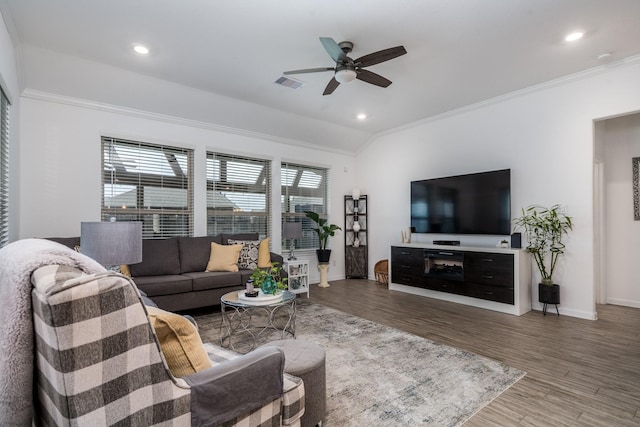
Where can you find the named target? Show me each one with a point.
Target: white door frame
(599, 234)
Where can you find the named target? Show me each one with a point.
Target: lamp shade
(292, 230)
(112, 243)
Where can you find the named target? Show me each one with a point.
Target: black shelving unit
(356, 251)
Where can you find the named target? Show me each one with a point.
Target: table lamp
(292, 230)
(112, 243)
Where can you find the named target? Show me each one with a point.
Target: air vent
(289, 82)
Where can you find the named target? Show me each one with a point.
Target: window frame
(4, 168)
(255, 216)
(292, 184)
(151, 178)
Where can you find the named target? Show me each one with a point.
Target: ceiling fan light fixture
(345, 75)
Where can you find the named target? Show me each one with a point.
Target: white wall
(544, 135)
(60, 169)
(621, 143)
(10, 85)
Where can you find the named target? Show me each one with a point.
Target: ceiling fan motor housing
(346, 47)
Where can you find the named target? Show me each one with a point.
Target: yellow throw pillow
(223, 257)
(264, 255)
(124, 270)
(180, 343)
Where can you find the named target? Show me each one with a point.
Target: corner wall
(544, 135)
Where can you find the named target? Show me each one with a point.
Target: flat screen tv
(477, 203)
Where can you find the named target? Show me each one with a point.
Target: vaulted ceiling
(460, 52)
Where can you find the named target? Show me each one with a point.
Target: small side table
(298, 271)
(323, 268)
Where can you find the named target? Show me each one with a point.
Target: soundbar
(447, 242)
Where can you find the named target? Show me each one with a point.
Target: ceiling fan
(347, 69)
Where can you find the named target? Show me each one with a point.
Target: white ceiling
(459, 51)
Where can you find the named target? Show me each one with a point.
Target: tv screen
(478, 203)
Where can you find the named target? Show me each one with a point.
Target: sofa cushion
(248, 258)
(159, 257)
(164, 285)
(180, 343)
(195, 251)
(224, 257)
(239, 236)
(264, 256)
(213, 280)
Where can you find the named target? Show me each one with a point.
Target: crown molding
(165, 118)
(632, 60)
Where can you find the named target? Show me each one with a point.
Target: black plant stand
(549, 294)
(544, 308)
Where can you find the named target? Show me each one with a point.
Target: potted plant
(269, 280)
(324, 231)
(544, 229)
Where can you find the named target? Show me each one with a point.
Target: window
(149, 183)
(4, 169)
(238, 195)
(304, 188)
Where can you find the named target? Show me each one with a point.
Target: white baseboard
(624, 302)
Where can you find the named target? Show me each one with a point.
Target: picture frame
(635, 168)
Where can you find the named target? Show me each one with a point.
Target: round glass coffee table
(246, 322)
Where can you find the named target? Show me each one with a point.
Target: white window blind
(304, 188)
(148, 183)
(238, 195)
(4, 169)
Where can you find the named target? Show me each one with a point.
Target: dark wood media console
(493, 278)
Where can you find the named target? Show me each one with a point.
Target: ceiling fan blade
(380, 56)
(309, 70)
(333, 49)
(333, 84)
(373, 78)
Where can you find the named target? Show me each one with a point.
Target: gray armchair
(98, 361)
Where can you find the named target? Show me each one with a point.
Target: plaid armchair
(98, 362)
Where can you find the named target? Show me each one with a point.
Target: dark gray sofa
(172, 271)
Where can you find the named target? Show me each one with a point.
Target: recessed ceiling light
(141, 49)
(361, 116)
(571, 37)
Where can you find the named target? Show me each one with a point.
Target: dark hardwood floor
(579, 372)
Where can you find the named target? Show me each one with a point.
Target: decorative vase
(269, 286)
(356, 226)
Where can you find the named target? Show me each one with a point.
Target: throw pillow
(179, 341)
(124, 270)
(248, 258)
(264, 255)
(223, 257)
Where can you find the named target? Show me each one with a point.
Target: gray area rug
(380, 376)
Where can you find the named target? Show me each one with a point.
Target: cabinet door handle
(487, 293)
(487, 276)
(446, 253)
(487, 260)
(405, 266)
(404, 253)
